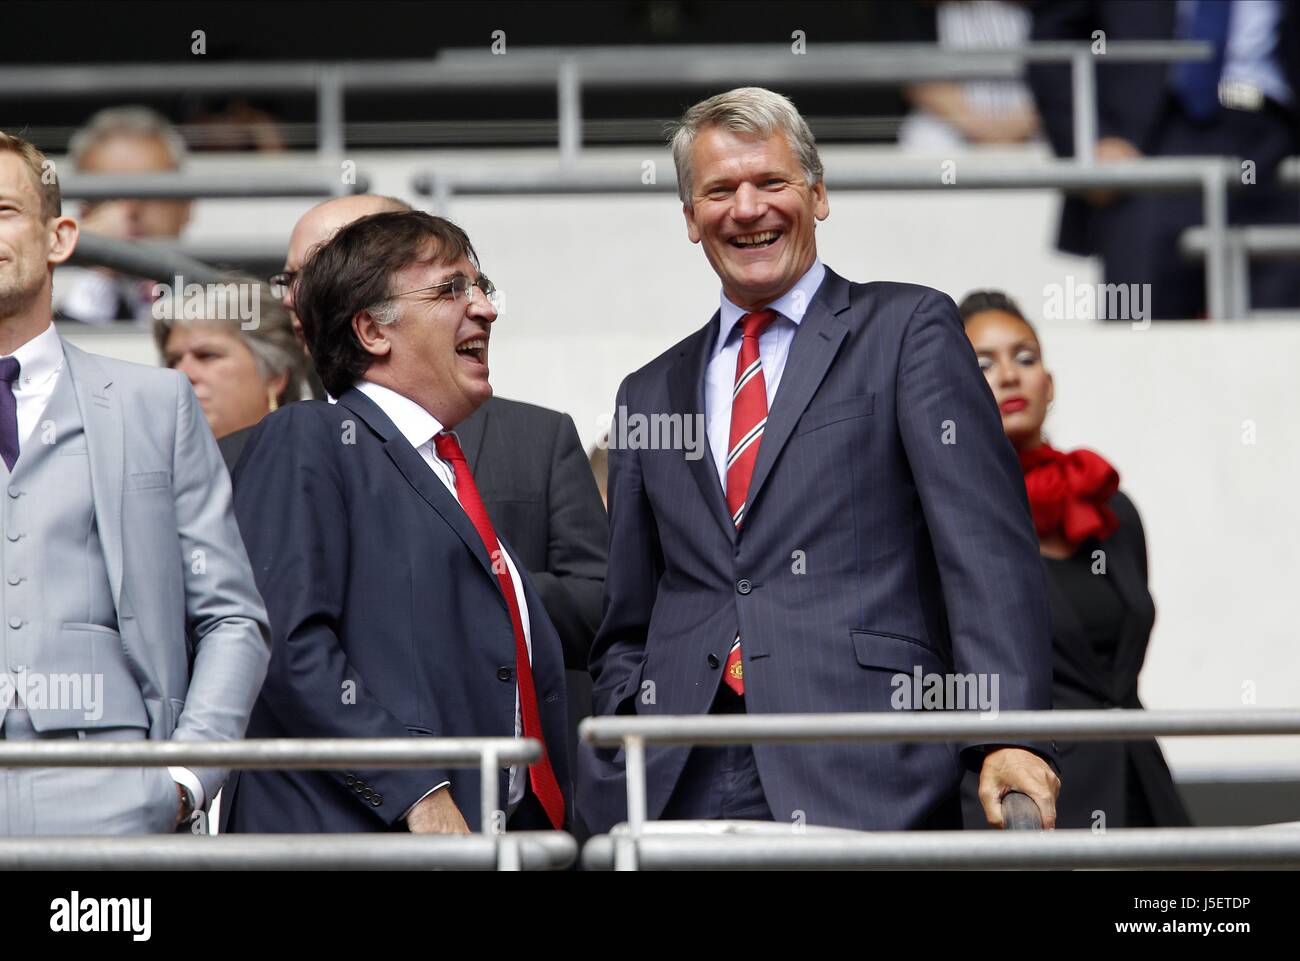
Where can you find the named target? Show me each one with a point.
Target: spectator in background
(239, 375)
(122, 140)
(949, 114)
(1094, 550)
(1245, 103)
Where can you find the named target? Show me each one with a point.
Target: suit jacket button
(743, 585)
(713, 661)
(504, 674)
(366, 792)
(377, 800)
(349, 780)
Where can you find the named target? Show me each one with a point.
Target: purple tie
(9, 368)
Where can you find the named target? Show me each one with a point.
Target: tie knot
(753, 324)
(447, 446)
(9, 368)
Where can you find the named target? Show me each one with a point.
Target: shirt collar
(39, 359)
(790, 305)
(415, 423)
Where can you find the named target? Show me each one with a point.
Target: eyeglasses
(462, 286)
(281, 282)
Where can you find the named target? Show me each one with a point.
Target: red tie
(748, 418)
(540, 774)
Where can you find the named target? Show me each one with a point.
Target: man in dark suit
(1243, 103)
(873, 526)
(396, 610)
(531, 471)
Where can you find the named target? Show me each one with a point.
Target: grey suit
(121, 564)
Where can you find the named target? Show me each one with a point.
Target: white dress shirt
(419, 427)
(40, 362)
(773, 349)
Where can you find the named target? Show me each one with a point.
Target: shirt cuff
(422, 797)
(184, 776)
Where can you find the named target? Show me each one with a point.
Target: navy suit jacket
(887, 529)
(386, 617)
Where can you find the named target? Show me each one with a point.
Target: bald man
(530, 469)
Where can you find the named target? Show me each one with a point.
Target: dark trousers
(1137, 235)
(719, 783)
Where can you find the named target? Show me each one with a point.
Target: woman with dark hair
(1094, 550)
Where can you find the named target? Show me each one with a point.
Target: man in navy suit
(873, 526)
(395, 609)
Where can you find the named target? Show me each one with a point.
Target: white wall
(597, 286)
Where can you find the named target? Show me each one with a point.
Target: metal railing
(1241, 245)
(571, 70)
(1212, 176)
(491, 848)
(655, 844)
(186, 185)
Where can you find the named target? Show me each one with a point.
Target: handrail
(522, 850)
(488, 754)
(628, 845)
(1120, 848)
(570, 69)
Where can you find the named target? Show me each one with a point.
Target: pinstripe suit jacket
(887, 531)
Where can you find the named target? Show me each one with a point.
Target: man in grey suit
(127, 606)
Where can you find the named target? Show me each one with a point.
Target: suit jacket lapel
(815, 345)
(102, 416)
(686, 395)
(417, 473)
(470, 433)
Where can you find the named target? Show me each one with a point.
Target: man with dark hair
(529, 466)
(395, 609)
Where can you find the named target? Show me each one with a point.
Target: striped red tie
(540, 773)
(748, 418)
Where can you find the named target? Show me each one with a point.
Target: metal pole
(329, 113)
(634, 762)
(570, 111)
(1083, 78)
(1215, 208)
(489, 791)
(1239, 274)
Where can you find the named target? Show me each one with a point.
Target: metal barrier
(1241, 245)
(1212, 176)
(642, 842)
(490, 848)
(570, 70)
(174, 185)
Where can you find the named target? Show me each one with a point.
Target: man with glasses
(530, 469)
(396, 609)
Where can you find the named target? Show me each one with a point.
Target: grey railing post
(625, 853)
(569, 93)
(1214, 191)
(329, 113)
(1083, 79)
(489, 791)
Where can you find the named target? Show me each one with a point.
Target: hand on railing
(1020, 813)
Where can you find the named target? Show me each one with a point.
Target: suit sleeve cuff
(185, 777)
(422, 797)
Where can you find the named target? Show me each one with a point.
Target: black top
(1084, 579)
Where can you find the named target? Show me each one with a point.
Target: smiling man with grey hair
(838, 536)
